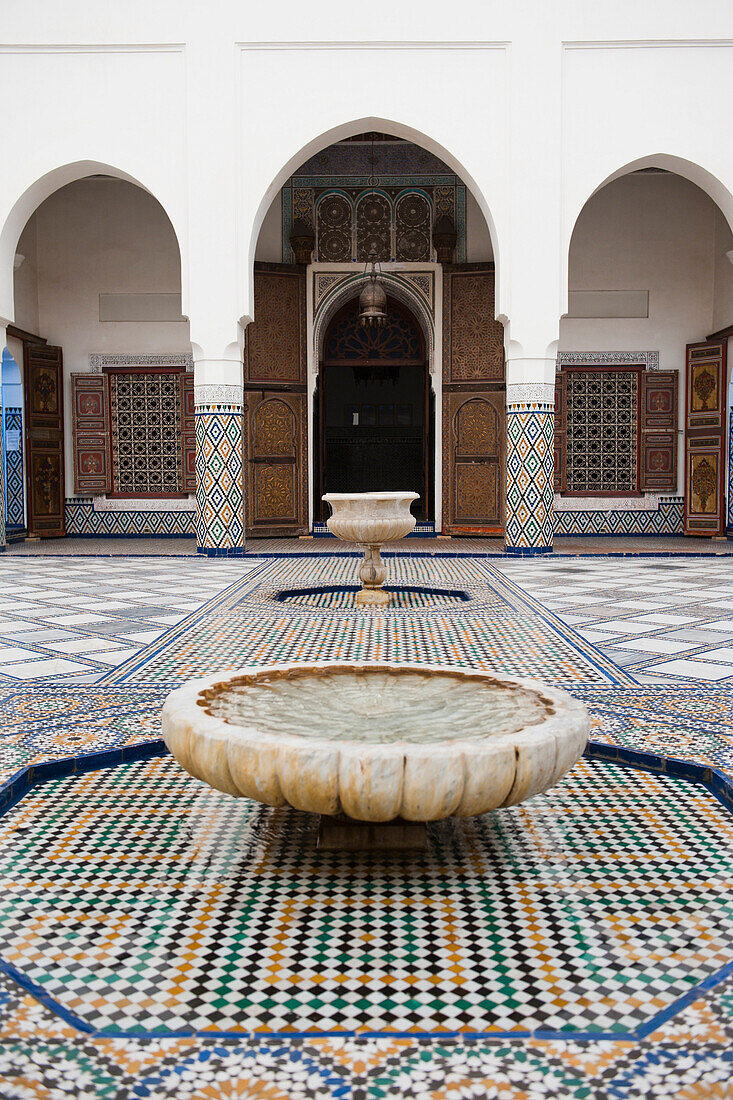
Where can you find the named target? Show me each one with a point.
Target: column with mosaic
(219, 470)
(529, 469)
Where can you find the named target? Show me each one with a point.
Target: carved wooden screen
(473, 404)
(561, 429)
(275, 417)
(188, 432)
(44, 417)
(90, 430)
(658, 462)
(705, 410)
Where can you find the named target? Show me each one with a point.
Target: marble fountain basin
(375, 742)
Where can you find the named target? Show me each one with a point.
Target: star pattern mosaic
(492, 630)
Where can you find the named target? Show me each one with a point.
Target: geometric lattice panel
(146, 433)
(602, 415)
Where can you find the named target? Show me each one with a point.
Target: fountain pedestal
(371, 519)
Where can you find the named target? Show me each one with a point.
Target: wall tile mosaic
(529, 476)
(14, 486)
(667, 520)
(219, 480)
(82, 521)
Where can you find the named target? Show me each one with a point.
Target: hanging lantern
(373, 301)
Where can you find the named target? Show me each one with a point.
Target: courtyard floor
(160, 939)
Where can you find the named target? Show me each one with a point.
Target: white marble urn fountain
(371, 519)
(375, 742)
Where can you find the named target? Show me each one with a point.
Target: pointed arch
(330, 137)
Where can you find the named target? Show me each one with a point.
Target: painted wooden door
(706, 403)
(474, 445)
(44, 416)
(275, 413)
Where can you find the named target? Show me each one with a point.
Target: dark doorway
(373, 408)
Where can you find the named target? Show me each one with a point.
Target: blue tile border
(527, 551)
(318, 590)
(714, 780)
(221, 551)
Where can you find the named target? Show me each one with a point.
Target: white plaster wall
(100, 236)
(645, 232)
(25, 279)
(211, 106)
(270, 241)
(478, 240)
(723, 275)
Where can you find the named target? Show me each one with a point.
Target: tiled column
(219, 471)
(2, 489)
(530, 432)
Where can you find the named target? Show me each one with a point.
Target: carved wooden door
(476, 442)
(275, 415)
(706, 406)
(474, 445)
(44, 416)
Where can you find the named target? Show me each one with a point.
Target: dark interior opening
(373, 408)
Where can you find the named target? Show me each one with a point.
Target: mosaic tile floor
(609, 898)
(663, 621)
(64, 619)
(141, 901)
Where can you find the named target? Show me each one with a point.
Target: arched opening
(650, 300)
(104, 348)
(373, 407)
(372, 193)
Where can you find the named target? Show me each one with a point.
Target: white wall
(270, 241)
(723, 290)
(211, 106)
(99, 236)
(25, 279)
(645, 232)
(653, 232)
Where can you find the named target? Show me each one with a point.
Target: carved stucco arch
(398, 287)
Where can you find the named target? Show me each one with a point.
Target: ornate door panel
(275, 438)
(474, 445)
(275, 418)
(706, 402)
(44, 416)
(473, 492)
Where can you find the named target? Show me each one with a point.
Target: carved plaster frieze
(648, 359)
(145, 504)
(97, 362)
(649, 502)
(225, 394)
(526, 393)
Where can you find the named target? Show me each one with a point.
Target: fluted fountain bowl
(371, 519)
(375, 741)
